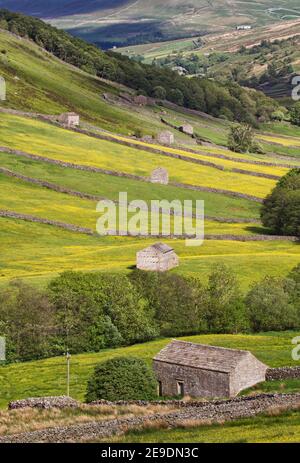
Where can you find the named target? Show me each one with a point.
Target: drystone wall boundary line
(35, 157)
(213, 412)
(109, 137)
(88, 231)
(34, 219)
(79, 194)
(277, 374)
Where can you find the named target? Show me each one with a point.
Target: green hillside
(37, 81)
(47, 377)
(52, 177)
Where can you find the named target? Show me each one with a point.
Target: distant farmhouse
(166, 138)
(69, 119)
(187, 128)
(244, 27)
(157, 258)
(180, 70)
(160, 175)
(196, 370)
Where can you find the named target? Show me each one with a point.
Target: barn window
(180, 388)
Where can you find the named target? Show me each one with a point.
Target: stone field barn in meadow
(187, 128)
(197, 370)
(69, 119)
(157, 258)
(166, 138)
(160, 175)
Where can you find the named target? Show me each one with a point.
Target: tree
(295, 114)
(225, 309)
(27, 321)
(281, 208)
(159, 92)
(122, 378)
(176, 96)
(270, 305)
(174, 302)
(97, 310)
(241, 138)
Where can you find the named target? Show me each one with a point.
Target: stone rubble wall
(44, 403)
(213, 412)
(275, 374)
(79, 194)
(54, 120)
(70, 165)
(88, 231)
(32, 218)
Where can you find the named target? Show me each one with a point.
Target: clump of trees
(87, 312)
(281, 208)
(241, 139)
(122, 378)
(205, 95)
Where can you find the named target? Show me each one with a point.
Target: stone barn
(197, 370)
(140, 100)
(157, 258)
(166, 138)
(160, 175)
(187, 128)
(69, 119)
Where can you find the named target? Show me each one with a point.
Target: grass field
(22, 197)
(47, 377)
(281, 428)
(40, 252)
(108, 186)
(56, 143)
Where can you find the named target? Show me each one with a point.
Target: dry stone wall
(275, 374)
(213, 412)
(70, 165)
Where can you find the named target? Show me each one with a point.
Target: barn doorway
(180, 388)
(160, 392)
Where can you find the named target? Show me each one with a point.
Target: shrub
(122, 378)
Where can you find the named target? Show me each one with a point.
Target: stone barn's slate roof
(201, 356)
(161, 248)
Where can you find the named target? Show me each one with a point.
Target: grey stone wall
(34, 219)
(213, 412)
(197, 383)
(275, 374)
(70, 165)
(44, 403)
